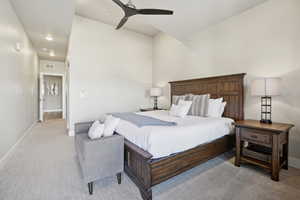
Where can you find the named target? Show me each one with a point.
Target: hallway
(44, 167)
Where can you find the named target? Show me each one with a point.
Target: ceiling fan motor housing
(130, 10)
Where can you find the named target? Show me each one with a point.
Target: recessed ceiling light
(49, 37)
(52, 53)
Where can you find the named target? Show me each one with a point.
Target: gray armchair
(98, 158)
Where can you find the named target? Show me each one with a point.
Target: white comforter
(161, 141)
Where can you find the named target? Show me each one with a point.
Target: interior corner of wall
(70, 128)
(294, 162)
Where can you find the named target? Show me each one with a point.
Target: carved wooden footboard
(145, 172)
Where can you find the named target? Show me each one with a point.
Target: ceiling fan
(130, 10)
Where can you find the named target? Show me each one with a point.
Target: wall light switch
(82, 94)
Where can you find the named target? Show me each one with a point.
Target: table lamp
(266, 88)
(155, 93)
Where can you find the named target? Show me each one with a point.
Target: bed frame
(146, 172)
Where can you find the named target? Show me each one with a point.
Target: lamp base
(265, 121)
(266, 110)
(155, 104)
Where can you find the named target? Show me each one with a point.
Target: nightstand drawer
(256, 136)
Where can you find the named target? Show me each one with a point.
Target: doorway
(52, 97)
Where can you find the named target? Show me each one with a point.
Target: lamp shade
(155, 92)
(266, 87)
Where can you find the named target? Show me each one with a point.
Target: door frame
(41, 99)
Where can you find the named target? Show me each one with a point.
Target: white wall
(263, 41)
(112, 69)
(58, 67)
(18, 80)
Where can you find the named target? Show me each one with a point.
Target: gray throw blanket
(141, 120)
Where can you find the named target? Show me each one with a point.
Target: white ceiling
(108, 12)
(189, 15)
(42, 17)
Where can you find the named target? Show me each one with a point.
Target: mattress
(161, 141)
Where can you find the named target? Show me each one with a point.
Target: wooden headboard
(230, 87)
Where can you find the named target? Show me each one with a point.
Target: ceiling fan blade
(122, 5)
(154, 12)
(122, 22)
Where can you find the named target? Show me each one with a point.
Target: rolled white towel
(96, 130)
(110, 125)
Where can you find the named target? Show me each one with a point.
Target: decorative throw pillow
(181, 109)
(222, 108)
(175, 99)
(110, 125)
(96, 130)
(189, 97)
(200, 105)
(214, 107)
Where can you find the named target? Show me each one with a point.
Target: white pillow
(214, 107)
(222, 108)
(174, 110)
(110, 125)
(181, 109)
(96, 130)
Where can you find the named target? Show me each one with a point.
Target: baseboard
(294, 162)
(71, 132)
(54, 110)
(5, 158)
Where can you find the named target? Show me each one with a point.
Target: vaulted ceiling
(189, 15)
(108, 12)
(54, 17)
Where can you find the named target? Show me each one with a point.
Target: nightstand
(149, 109)
(265, 145)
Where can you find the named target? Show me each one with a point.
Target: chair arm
(82, 127)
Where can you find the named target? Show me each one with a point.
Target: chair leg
(91, 185)
(119, 177)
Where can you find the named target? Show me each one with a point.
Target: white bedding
(162, 141)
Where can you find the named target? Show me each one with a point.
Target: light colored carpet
(44, 167)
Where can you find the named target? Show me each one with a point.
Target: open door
(41, 98)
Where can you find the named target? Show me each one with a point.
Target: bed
(148, 169)
(163, 141)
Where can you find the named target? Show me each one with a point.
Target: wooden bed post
(137, 167)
